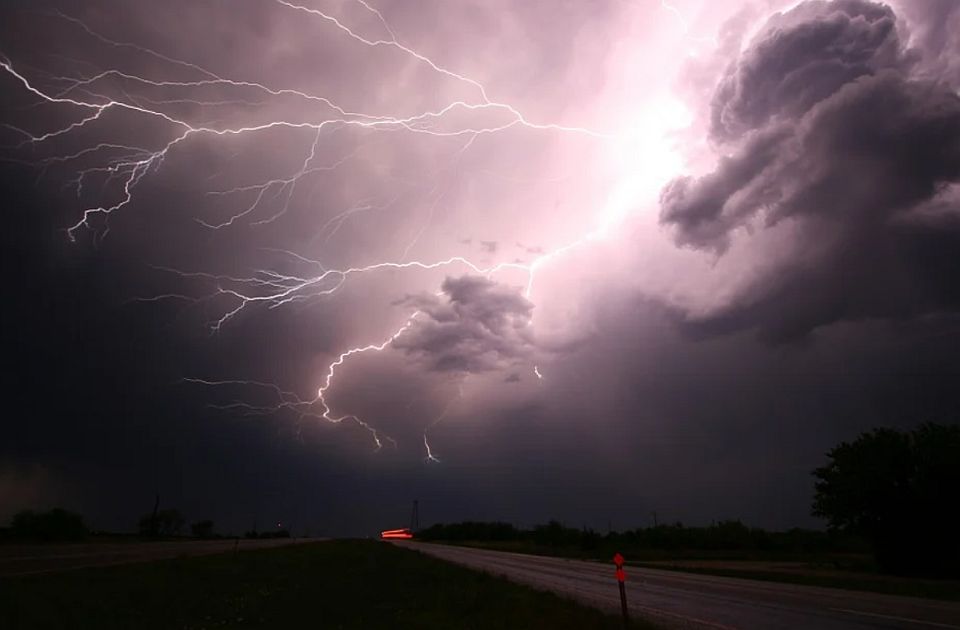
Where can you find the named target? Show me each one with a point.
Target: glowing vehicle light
(396, 534)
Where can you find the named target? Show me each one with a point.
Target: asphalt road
(688, 600)
(17, 560)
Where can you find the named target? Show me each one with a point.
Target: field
(336, 584)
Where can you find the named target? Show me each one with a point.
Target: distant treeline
(889, 492)
(53, 525)
(732, 536)
(59, 525)
(275, 533)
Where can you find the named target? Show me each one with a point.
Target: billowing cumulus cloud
(474, 325)
(828, 128)
(800, 58)
(935, 35)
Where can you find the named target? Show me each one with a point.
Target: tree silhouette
(161, 523)
(202, 529)
(898, 490)
(56, 524)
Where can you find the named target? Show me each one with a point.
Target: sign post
(621, 576)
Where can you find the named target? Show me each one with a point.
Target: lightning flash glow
(643, 158)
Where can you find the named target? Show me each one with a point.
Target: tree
(202, 529)
(56, 524)
(898, 490)
(161, 523)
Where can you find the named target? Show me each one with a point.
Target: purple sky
(520, 260)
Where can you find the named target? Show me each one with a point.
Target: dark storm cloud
(800, 58)
(829, 129)
(475, 325)
(693, 205)
(935, 34)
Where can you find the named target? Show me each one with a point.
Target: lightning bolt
(682, 19)
(123, 166)
(430, 457)
(685, 22)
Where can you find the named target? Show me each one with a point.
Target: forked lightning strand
(126, 165)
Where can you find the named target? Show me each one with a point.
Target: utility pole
(154, 525)
(415, 517)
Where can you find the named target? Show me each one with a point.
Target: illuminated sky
(520, 260)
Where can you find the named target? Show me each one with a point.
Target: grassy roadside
(811, 573)
(337, 584)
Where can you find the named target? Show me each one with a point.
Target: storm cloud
(475, 325)
(256, 264)
(827, 127)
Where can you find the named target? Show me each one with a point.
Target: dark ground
(335, 584)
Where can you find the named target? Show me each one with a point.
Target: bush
(55, 525)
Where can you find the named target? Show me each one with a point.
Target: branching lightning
(125, 166)
(430, 457)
